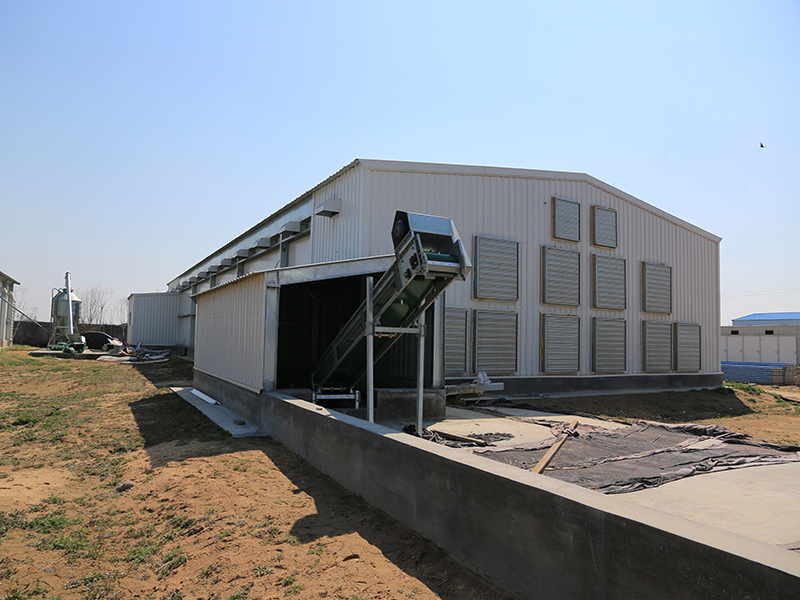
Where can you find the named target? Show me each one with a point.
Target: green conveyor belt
(397, 314)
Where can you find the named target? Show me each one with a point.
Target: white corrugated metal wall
(230, 332)
(154, 319)
(520, 208)
(339, 237)
(6, 312)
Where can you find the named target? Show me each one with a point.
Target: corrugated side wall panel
(6, 314)
(520, 208)
(609, 354)
(687, 347)
(299, 252)
(339, 237)
(609, 282)
(496, 268)
(657, 348)
(561, 273)
(154, 319)
(560, 343)
(455, 346)
(495, 342)
(230, 332)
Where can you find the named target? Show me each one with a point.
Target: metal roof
(420, 167)
(777, 319)
(776, 316)
(8, 278)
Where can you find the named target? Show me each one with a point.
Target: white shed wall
(230, 332)
(339, 237)
(6, 311)
(153, 319)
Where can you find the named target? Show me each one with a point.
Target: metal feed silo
(64, 315)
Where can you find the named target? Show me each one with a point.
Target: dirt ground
(773, 415)
(207, 516)
(113, 487)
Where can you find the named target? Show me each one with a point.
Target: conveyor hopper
(429, 256)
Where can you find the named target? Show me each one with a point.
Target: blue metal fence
(747, 372)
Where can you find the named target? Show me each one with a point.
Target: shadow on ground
(669, 407)
(165, 418)
(176, 372)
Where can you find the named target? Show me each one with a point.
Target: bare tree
(120, 311)
(96, 302)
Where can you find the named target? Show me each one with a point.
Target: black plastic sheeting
(644, 455)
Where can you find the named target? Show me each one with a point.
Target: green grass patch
(262, 570)
(242, 594)
(142, 553)
(169, 562)
(48, 523)
(295, 589)
(744, 387)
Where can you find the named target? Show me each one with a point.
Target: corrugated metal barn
(576, 285)
(6, 308)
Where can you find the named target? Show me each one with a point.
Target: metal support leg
(369, 332)
(420, 372)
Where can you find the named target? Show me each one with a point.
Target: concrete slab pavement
(460, 421)
(759, 502)
(234, 424)
(466, 422)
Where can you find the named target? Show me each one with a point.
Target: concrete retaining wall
(542, 538)
(557, 384)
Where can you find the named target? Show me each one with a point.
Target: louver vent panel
(496, 268)
(656, 288)
(560, 276)
(566, 220)
(609, 352)
(495, 342)
(609, 282)
(657, 346)
(604, 227)
(455, 341)
(560, 343)
(687, 347)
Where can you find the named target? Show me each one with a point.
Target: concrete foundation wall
(542, 538)
(602, 383)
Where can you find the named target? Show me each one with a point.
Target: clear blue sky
(138, 137)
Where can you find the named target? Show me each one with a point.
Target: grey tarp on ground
(645, 455)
